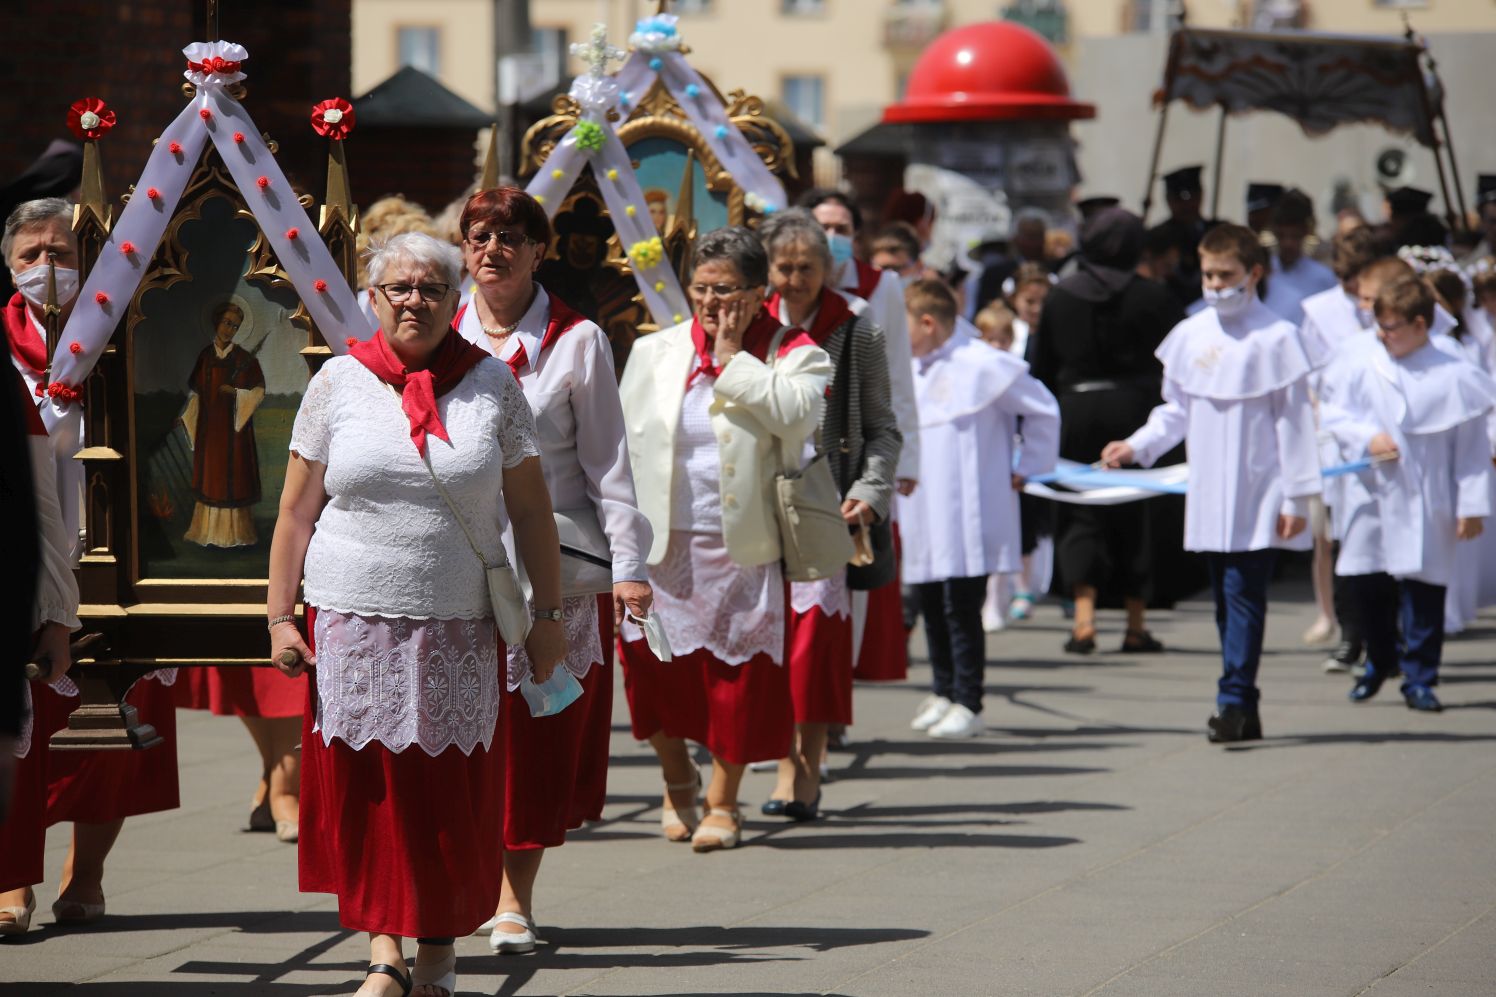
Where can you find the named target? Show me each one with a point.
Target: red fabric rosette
(90, 118)
(333, 119)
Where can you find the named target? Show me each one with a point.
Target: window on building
(1414, 4)
(1162, 16)
(797, 8)
(420, 47)
(805, 96)
(1273, 15)
(692, 6)
(1047, 17)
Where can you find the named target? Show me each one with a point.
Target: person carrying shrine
(1186, 226)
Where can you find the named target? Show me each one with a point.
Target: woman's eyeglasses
(429, 293)
(507, 238)
(720, 290)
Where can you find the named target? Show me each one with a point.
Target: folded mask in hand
(555, 694)
(654, 634)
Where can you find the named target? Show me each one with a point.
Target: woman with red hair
(556, 767)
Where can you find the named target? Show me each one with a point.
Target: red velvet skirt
(409, 844)
(556, 768)
(884, 655)
(742, 713)
(240, 692)
(820, 667)
(96, 787)
(23, 835)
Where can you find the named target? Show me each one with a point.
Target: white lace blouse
(386, 544)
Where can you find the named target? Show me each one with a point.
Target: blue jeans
(1403, 623)
(953, 631)
(1239, 580)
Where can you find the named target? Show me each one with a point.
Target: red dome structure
(991, 71)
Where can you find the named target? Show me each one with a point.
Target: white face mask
(1366, 317)
(32, 283)
(1229, 300)
(841, 248)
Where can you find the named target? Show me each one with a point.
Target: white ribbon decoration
(117, 275)
(1102, 486)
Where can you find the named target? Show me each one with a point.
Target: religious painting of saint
(672, 172)
(226, 386)
(578, 270)
(217, 375)
(659, 208)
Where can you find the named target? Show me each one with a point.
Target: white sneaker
(958, 722)
(993, 622)
(930, 712)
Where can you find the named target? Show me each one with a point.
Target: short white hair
(29, 214)
(434, 256)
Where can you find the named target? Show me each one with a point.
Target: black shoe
(1080, 645)
(1368, 685)
(1233, 724)
(1345, 657)
(406, 984)
(773, 808)
(802, 812)
(1140, 642)
(1422, 698)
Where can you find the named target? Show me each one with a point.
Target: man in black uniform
(1185, 227)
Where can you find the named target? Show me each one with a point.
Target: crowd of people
(478, 484)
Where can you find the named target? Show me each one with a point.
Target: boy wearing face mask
(1236, 391)
(1418, 411)
(37, 233)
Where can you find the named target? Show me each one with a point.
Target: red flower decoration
(319, 285)
(101, 298)
(352, 342)
(292, 233)
(205, 114)
(333, 119)
(41, 389)
(175, 148)
(152, 193)
(262, 182)
(238, 136)
(65, 392)
(90, 118)
(75, 348)
(128, 248)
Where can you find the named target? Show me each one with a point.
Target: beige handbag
(812, 534)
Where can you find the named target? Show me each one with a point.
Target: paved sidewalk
(1091, 843)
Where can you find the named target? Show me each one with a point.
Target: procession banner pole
(1215, 185)
(1163, 121)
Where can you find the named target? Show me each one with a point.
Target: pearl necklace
(502, 332)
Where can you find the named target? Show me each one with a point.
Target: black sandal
(1081, 645)
(1140, 642)
(401, 978)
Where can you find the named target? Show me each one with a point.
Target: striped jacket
(871, 438)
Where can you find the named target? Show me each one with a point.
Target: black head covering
(1111, 243)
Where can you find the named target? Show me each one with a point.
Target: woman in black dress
(1094, 351)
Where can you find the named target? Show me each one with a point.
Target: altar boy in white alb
(1236, 390)
(961, 524)
(1419, 412)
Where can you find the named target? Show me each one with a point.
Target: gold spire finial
(490, 178)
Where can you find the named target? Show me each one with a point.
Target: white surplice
(1236, 392)
(885, 309)
(1401, 518)
(962, 520)
(573, 392)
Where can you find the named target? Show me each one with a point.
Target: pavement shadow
(692, 947)
(963, 772)
(906, 839)
(250, 922)
(1371, 737)
(992, 744)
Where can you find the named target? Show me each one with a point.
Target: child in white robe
(961, 524)
(1236, 390)
(1419, 411)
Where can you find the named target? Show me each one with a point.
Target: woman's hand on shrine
(288, 651)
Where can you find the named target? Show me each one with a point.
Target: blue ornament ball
(721, 131)
(656, 63)
(692, 90)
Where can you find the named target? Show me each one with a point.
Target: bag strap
(447, 498)
(844, 370)
(773, 358)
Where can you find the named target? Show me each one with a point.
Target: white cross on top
(598, 53)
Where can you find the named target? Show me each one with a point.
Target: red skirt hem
(240, 692)
(23, 835)
(742, 713)
(884, 654)
(820, 667)
(96, 787)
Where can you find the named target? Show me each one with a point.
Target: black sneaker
(1345, 657)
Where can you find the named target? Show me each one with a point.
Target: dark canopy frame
(1322, 81)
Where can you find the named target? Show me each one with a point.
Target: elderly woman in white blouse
(712, 404)
(402, 785)
(556, 767)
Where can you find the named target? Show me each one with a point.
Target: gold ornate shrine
(687, 188)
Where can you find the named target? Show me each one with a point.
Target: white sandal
(22, 915)
(512, 943)
(686, 819)
(709, 838)
(441, 975)
(76, 912)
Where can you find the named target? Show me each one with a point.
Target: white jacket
(755, 406)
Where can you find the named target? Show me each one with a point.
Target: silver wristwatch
(546, 614)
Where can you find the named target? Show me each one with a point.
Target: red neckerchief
(830, 314)
(419, 389)
(867, 280)
(25, 345)
(34, 424)
(563, 319)
(756, 340)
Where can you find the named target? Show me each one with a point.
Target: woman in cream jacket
(715, 406)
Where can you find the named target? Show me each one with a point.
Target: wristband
(277, 620)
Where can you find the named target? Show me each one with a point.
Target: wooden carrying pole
(1215, 184)
(1163, 121)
